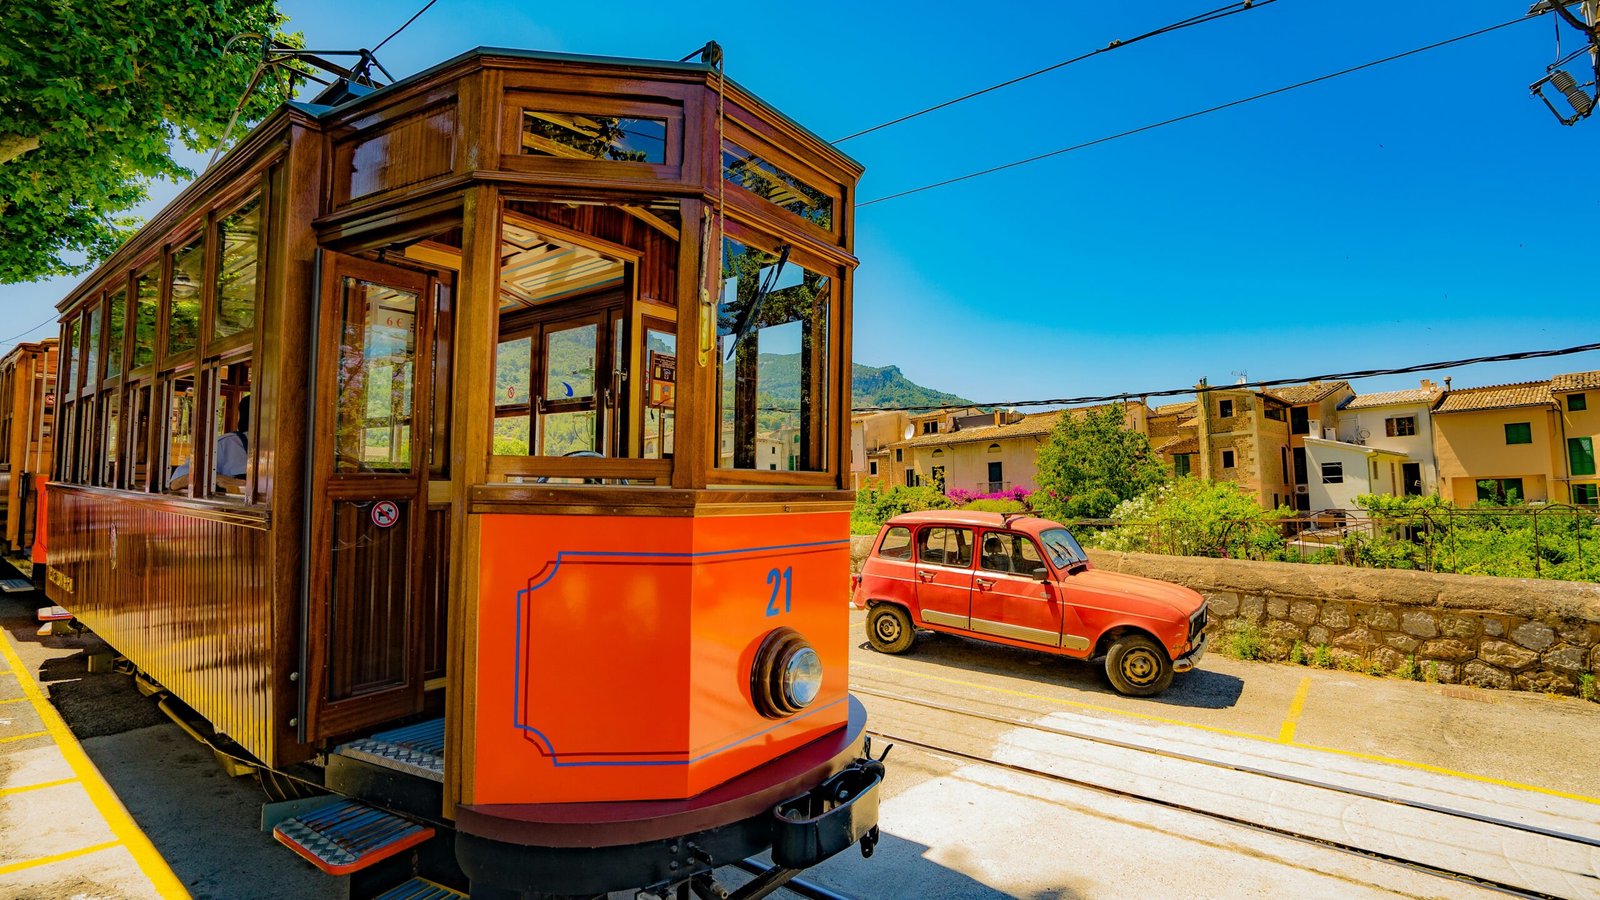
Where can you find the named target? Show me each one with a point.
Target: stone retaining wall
(1513, 633)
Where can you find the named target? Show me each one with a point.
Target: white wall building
(1339, 471)
(1398, 421)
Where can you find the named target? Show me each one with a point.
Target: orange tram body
(27, 407)
(472, 449)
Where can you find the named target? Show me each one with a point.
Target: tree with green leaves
(1091, 462)
(93, 97)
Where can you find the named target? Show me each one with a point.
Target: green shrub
(1586, 686)
(1243, 641)
(997, 506)
(1430, 674)
(1323, 659)
(1408, 670)
(1297, 654)
(874, 506)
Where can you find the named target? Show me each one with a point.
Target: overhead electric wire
(17, 337)
(414, 17)
(1245, 385)
(1215, 14)
(1194, 115)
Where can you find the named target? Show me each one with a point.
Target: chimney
(1427, 384)
(1447, 382)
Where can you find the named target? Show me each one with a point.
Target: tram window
(773, 332)
(377, 370)
(139, 437)
(568, 418)
(87, 427)
(147, 303)
(180, 434)
(513, 381)
(660, 396)
(183, 318)
(111, 406)
(117, 311)
(69, 356)
(236, 275)
(580, 136)
(91, 343)
(758, 176)
(230, 430)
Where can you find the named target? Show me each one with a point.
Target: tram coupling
(841, 811)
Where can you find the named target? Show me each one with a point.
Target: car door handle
(925, 576)
(983, 583)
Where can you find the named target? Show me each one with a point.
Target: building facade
(1497, 444)
(1577, 399)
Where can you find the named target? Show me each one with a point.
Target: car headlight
(786, 675)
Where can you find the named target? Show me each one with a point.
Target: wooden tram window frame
(206, 386)
(739, 133)
(668, 104)
(259, 189)
(767, 239)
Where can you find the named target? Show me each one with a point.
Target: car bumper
(1191, 659)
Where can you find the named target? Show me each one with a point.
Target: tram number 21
(780, 579)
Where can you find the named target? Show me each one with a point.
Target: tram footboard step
(421, 889)
(347, 836)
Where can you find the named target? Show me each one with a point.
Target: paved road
(952, 827)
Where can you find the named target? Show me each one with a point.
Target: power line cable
(1215, 14)
(414, 17)
(1265, 383)
(1194, 115)
(17, 337)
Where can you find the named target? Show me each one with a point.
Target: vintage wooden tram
(475, 448)
(27, 407)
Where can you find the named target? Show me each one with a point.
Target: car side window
(1011, 553)
(945, 547)
(896, 543)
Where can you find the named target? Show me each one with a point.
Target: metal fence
(1537, 541)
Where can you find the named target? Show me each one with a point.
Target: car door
(1009, 599)
(944, 575)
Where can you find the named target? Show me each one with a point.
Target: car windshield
(1063, 548)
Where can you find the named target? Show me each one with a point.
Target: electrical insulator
(1581, 102)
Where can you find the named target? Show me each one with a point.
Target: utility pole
(1581, 97)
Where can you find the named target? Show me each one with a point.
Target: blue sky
(1427, 209)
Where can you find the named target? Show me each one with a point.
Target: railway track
(1483, 849)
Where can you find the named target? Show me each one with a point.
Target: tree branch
(14, 145)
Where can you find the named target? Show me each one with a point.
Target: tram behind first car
(473, 449)
(27, 405)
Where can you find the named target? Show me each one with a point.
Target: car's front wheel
(1138, 666)
(889, 629)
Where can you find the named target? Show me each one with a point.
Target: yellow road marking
(55, 857)
(23, 737)
(6, 792)
(14, 700)
(1426, 767)
(1296, 707)
(111, 809)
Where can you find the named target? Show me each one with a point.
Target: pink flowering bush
(962, 497)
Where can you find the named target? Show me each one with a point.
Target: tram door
(375, 586)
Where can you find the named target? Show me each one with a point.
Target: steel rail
(1248, 770)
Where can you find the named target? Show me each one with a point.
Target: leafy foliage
(1553, 542)
(874, 505)
(1191, 517)
(93, 95)
(1092, 462)
(996, 506)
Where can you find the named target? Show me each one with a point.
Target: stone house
(1577, 398)
(1314, 412)
(1399, 421)
(1498, 443)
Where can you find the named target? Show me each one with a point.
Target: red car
(1025, 582)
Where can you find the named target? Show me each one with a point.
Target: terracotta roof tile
(1181, 444)
(1576, 381)
(1496, 396)
(1038, 424)
(1390, 398)
(1173, 409)
(1296, 394)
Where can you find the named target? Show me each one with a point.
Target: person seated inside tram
(232, 457)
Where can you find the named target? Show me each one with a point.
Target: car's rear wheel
(889, 629)
(1138, 666)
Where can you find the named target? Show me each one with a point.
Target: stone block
(1381, 619)
(1494, 626)
(1317, 634)
(1594, 660)
(1359, 638)
(1449, 673)
(1336, 616)
(1566, 659)
(1287, 632)
(1277, 608)
(1303, 613)
(1545, 682)
(1251, 608)
(1534, 635)
(1404, 643)
(1578, 634)
(1224, 604)
(1459, 627)
(1387, 659)
(1482, 674)
(1420, 624)
(1506, 656)
(1445, 649)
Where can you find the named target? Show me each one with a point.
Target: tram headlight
(786, 675)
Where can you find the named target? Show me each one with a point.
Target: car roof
(974, 518)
